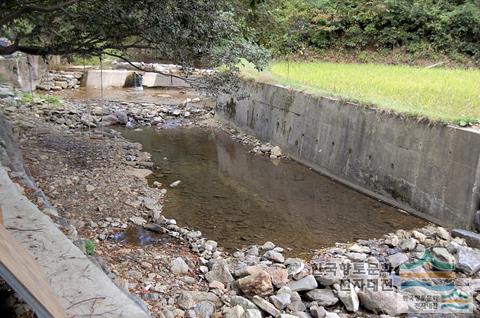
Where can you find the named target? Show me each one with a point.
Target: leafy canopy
(182, 31)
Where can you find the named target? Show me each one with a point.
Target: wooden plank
(26, 277)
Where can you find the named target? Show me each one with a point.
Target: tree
(182, 31)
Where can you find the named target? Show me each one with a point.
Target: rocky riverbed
(96, 183)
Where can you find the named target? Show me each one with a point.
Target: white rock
(397, 259)
(137, 220)
(175, 184)
(276, 151)
(274, 256)
(179, 267)
(443, 233)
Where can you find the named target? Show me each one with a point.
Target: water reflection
(238, 198)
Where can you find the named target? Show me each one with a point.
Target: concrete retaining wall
(429, 170)
(123, 78)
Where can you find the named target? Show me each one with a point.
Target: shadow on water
(238, 198)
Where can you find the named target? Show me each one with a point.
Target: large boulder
(323, 297)
(259, 283)
(219, 272)
(305, 284)
(386, 302)
(468, 260)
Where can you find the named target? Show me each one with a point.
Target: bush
(418, 25)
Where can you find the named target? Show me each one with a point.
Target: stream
(238, 198)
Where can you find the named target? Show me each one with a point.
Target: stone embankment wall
(429, 170)
(60, 80)
(22, 71)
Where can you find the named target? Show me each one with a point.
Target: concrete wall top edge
(344, 103)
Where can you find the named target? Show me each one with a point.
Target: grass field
(448, 95)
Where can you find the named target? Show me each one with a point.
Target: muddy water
(238, 198)
(148, 95)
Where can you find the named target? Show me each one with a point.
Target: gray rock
(348, 297)
(324, 297)
(408, 244)
(471, 238)
(137, 220)
(318, 311)
(121, 116)
(204, 309)
(267, 246)
(252, 313)
(265, 306)
(398, 259)
(305, 284)
(179, 267)
(294, 266)
(243, 302)
(301, 314)
(235, 312)
(388, 302)
(274, 256)
(468, 260)
(443, 255)
(330, 277)
(392, 240)
(356, 257)
(220, 272)
(443, 233)
(296, 302)
(188, 299)
(281, 300)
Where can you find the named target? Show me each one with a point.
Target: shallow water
(147, 95)
(238, 198)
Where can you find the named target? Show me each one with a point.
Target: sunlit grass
(449, 95)
(54, 101)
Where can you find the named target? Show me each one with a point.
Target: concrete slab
(122, 78)
(82, 288)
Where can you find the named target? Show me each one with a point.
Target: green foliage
(448, 95)
(421, 26)
(181, 31)
(89, 247)
(53, 101)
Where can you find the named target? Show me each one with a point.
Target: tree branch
(33, 7)
(186, 79)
